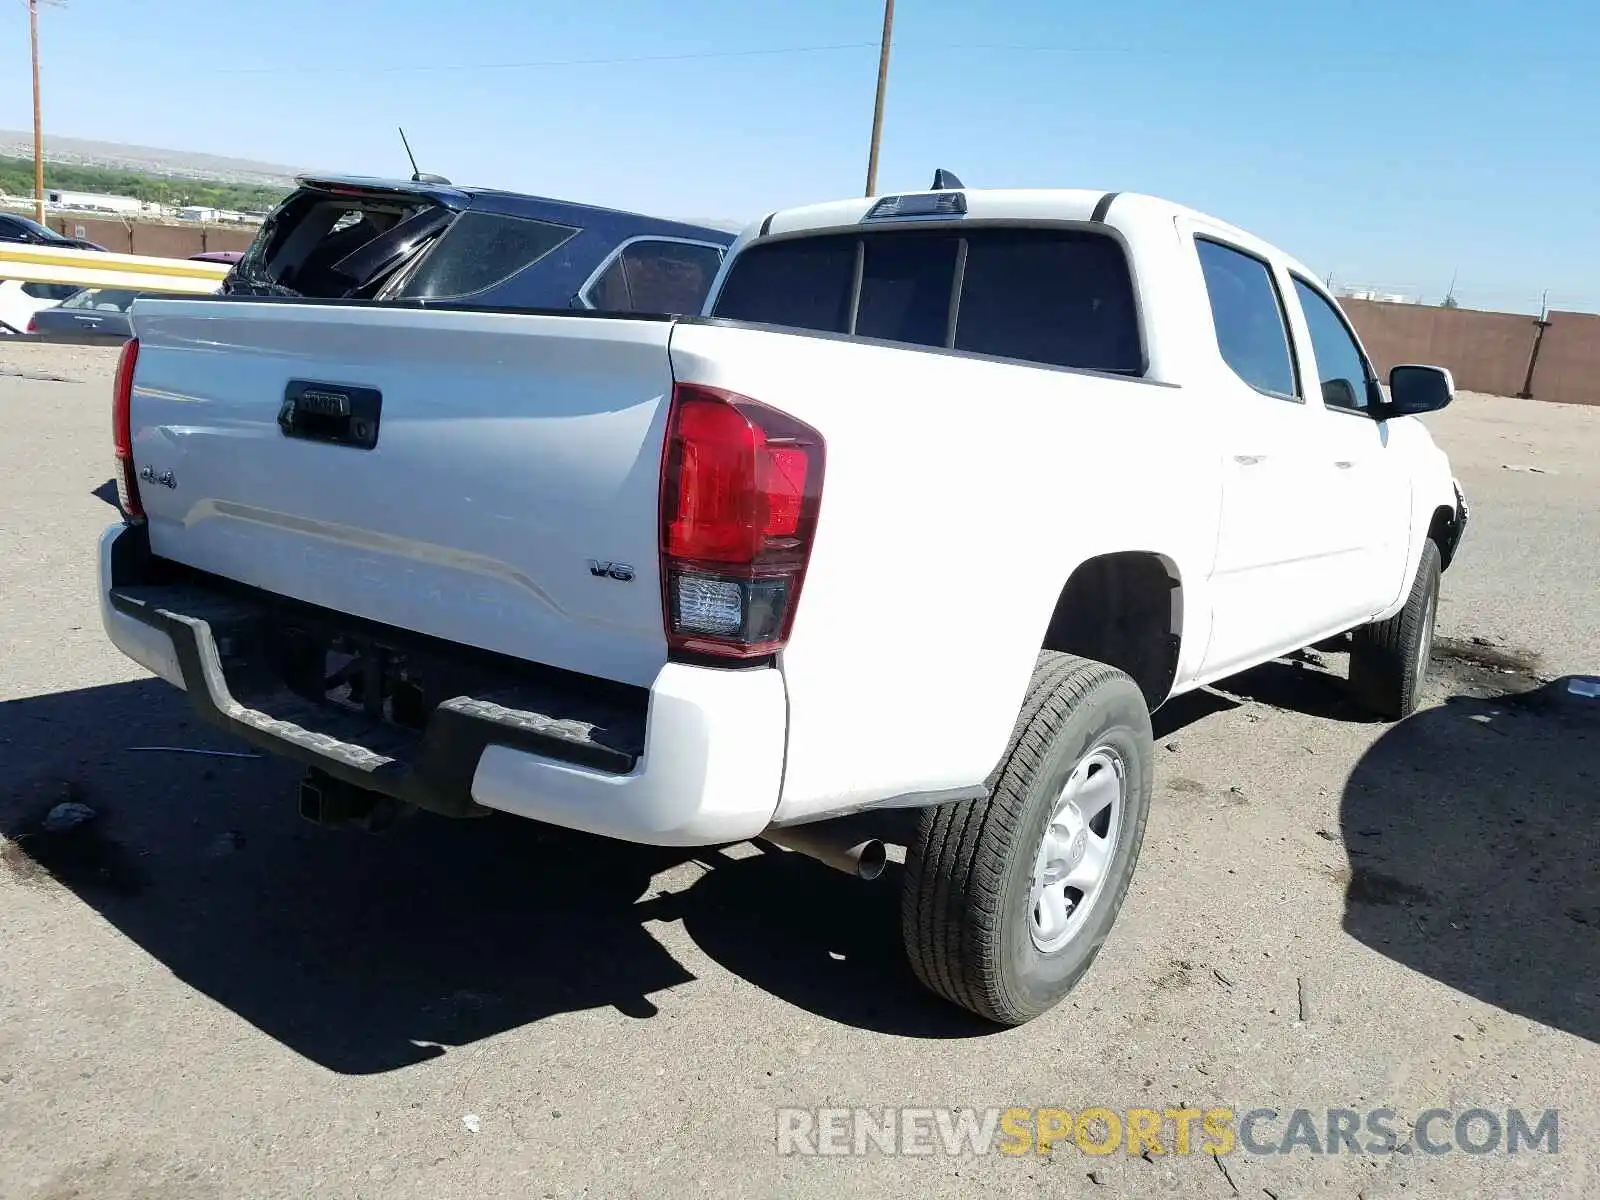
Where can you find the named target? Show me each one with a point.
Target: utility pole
(877, 109)
(38, 127)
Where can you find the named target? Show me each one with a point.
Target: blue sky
(1388, 143)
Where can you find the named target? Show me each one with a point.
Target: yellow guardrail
(95, 268)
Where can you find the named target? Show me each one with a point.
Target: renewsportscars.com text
(1219, 1130)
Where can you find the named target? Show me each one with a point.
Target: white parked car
(19, 300)
(942, 497)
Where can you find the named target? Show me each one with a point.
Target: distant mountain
(179, 164)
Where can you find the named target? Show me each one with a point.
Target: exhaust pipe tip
(871, 856)
(839, 844)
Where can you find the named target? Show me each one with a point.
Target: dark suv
(421, 241)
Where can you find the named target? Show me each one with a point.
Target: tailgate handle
(331, 412)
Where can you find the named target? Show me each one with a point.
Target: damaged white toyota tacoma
(941, 497)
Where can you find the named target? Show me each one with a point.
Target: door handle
(1249, 460)
(1343, 464)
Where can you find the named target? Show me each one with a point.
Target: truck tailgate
(486, 478)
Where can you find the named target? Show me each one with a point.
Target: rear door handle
(1343, 464)
(1249, 460)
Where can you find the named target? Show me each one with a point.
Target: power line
(689, 56)
(544, 63)
(1370, 61)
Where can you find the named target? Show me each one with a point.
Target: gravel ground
(200, 996)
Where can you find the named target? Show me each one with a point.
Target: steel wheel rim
(1073, 864)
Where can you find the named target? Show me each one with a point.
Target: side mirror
(1417, 389)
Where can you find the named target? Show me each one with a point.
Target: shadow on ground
(367, 954)
(1473, 830)
(1310, 681)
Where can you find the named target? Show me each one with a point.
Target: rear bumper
(698, 761)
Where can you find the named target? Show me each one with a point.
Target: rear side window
(1248, 313)
(1059, 297)
(656, 276)
(480, 250)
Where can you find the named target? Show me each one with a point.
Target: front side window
(1248, 314)
(1341, 368)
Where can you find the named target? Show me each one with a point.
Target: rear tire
(1008, 900)
(1389, 659)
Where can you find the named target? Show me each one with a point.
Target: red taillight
(33, 324)
(741, 484)
(122, 431)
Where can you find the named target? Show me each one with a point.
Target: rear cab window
(1061, 297)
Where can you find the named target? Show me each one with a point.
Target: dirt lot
(200, 996)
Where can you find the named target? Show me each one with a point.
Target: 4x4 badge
(166, 478)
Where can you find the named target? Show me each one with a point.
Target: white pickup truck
(942, 496)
